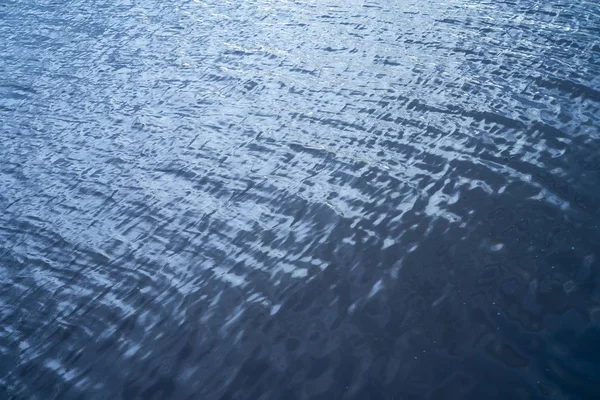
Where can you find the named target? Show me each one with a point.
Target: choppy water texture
(299, 200)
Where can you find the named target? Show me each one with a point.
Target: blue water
(299, 199)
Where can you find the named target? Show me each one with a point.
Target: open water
(272, 199)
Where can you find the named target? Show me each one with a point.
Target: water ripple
(265, 199)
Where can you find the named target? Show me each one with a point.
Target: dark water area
(299, 199)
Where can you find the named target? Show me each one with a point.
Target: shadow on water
(300, 200)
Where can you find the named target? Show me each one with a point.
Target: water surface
(299, 200)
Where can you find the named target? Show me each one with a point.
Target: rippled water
(299, 200)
